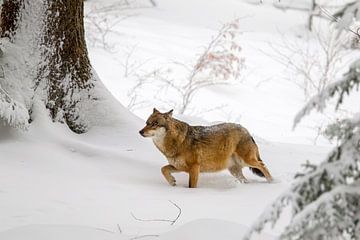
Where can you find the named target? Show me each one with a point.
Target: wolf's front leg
(194, 175)
(166, 171)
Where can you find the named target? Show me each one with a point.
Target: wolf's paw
(172, 181)
(243, 180)
(270, 180)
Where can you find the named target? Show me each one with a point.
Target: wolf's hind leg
(166, 171)
(236, 171)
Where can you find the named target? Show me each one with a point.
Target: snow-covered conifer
(347, 14)
(325, 199)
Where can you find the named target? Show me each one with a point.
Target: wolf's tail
(255, 170)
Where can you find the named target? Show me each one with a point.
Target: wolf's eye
(154, 124)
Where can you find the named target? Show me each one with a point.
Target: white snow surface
(55, 184)
(52, 176)
(190, 231)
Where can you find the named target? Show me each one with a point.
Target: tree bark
(311, 15)
(9, 16)
(64, 76)
(68, 69)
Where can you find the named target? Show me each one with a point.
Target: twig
(218, 107)
(172, 222)
(144, 236)
(132, 66)
(118, 225)
(315, 69)
(177, 217)
(104, 230)
(219, 63)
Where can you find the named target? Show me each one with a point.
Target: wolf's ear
(155, 110)
(169, 113)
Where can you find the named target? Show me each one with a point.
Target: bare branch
(219, 63)
(145, 236)
(130, 65)
(101, 20)
(219, 107)
(119, 228)
(314, 67)
(172, 221)
(179, 214)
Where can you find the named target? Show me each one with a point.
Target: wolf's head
(156, 124)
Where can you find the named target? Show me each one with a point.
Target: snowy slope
(52, 176)
(199, 229)
(58, 232)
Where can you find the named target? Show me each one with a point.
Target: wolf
(195, 149)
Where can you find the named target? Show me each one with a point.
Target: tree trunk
(68, 70)
(9, 16)
(63, 75)
(311, 15)
(153, 3)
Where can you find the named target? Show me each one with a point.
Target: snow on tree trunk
(12, 109)
(46, 61)
(66, 71)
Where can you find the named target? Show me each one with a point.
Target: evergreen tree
(347, 14)
(325, 199)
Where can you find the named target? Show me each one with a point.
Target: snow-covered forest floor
(94, 185)
(52, 176)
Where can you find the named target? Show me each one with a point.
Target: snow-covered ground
(55, 184)
(99, 179)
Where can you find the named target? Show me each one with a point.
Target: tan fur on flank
(195, 149)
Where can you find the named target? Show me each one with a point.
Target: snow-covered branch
(309, 195)
(12, 112)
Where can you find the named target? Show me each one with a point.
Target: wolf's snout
(141, 132)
